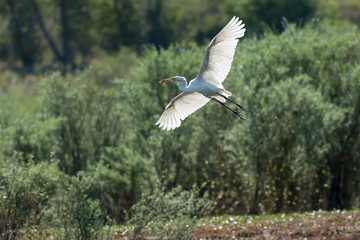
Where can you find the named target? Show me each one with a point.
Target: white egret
(208, 83)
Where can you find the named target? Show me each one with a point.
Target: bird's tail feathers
(228, 93)
(220, 98)
(225, 93)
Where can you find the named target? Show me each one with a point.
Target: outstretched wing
(220, 52)
(179, 108)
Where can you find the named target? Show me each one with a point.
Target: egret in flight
(208, 83)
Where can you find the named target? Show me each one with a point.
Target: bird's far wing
(220, 52)
(179, 108)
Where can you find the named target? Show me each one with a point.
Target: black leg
(233, 102)
(237, 113)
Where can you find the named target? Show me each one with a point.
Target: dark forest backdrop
(73, 32)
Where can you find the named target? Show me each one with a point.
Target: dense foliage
(174, 213)
(93, 146)
(71, 33)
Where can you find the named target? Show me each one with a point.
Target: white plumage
(220, 53)
(208, 83)
(180, 107)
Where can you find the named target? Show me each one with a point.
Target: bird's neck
(183, 85)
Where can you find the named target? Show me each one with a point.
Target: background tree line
(70, 33)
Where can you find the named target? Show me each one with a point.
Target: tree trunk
(44, 31)
(68, 56)
(18, 37)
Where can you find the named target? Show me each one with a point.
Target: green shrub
(73, 214)
(37, 200)
(93, 131)
(30, 137)
(90, 119)
(24, 191)
(170, 214)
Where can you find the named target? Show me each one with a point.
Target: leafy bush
(73, 213)
(91, 119)
(38, 200)
(30, 137)
(170, 214)
(24, 191)
(93, 131)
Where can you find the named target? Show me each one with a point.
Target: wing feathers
(220, 52)
(179, 108)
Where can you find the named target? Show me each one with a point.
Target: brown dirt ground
(314, 225)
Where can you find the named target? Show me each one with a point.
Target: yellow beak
(166, 80)
(163, 80)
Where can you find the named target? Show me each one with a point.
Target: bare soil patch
(313, 225)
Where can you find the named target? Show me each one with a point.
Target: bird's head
(172, 79)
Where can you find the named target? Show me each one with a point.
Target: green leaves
(25, 190)
(167, 214)
(74, 213)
